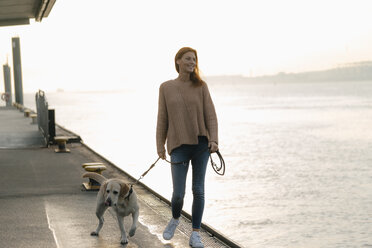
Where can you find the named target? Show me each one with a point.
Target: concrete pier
(43, 204)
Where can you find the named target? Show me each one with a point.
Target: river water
(298, 156)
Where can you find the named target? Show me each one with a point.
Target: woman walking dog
(187, 123)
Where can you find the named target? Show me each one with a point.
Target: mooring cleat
(96, 167)
(92, 164)
(26, 113)
(61, 142)
(34, 118)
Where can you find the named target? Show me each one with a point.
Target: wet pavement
(43, 203)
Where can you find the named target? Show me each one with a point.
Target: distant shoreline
(360, 71)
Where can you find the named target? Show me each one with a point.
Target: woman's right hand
(162, 155)
(213, 146)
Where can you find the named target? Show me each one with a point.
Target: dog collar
(130, 192)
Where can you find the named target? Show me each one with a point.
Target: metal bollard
(61, 142)
(26, 112)
(34, 118)
(96, 167)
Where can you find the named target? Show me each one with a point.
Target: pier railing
(45, 117)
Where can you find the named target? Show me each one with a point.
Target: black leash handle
(221, 169)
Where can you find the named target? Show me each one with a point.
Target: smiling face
(187, 62)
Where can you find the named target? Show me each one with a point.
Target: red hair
(194, 76)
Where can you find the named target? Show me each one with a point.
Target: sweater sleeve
(162, 122)
(210, 116)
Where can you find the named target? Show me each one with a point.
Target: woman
(187, 121)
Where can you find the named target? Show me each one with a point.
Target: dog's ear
(103, 187)
(124, 188)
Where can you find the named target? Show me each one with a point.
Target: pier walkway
(42, 202)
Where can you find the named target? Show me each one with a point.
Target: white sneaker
(195, 240)
(169, 230)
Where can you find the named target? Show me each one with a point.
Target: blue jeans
(199, 155)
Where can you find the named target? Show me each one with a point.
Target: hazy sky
(90, 44)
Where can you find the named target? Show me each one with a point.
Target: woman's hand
(213, 147)
(162, 155)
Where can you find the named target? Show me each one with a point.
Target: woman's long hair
(194, 76)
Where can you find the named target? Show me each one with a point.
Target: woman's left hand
(213, 147)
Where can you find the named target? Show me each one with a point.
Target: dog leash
(220, 170)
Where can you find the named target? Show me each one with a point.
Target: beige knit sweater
(184, 113)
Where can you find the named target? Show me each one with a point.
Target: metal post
(7, 85)
(17, 69)
(52, 124)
